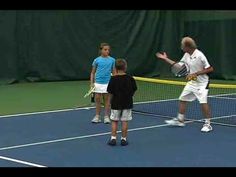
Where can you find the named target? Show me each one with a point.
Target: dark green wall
(50, 45)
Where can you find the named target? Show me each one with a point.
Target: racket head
(180, 69)
(91, 90)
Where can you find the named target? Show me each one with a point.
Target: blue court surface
(67, 138)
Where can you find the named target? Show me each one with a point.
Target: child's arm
(92, 75)
(114, 72)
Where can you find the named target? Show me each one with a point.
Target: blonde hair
(188, 42)
(121, 64)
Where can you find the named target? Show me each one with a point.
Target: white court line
(224, 94)
(193, 119)
(44, 112)
(89, 107)
(20, 161)
(81, 137)
(97, 134)
(222, 97)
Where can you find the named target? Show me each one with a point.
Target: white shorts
(123, 115)
(194, 91)
(100, 88)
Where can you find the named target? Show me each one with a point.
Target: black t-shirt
(122, 88)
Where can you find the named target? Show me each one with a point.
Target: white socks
(207, 121)
(113, 137)
(180, 117)
(123, 138)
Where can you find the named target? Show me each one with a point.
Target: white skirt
(100, 88)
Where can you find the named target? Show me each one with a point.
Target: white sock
(180, 117)
(113, 137)
(123, 138)
(207, 121)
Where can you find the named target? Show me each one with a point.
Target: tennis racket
(91, 90)
(181, 69)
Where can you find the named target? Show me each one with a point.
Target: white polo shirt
(197, 62)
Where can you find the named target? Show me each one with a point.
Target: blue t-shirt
(104, 67)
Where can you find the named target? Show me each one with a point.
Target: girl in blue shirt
(102, 67)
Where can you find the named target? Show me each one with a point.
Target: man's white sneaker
(175, 122)
(206, 128)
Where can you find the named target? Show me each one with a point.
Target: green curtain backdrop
(215, 34)
(54, 45)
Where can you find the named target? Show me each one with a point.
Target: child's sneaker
(124, 142)
(112, 142)
(96, 119)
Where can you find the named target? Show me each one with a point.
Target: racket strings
(183, 71)
(180, 70)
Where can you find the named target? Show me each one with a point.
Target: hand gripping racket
(91, 90)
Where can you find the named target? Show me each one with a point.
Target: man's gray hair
(188, 42)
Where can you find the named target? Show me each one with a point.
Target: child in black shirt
(122, 88)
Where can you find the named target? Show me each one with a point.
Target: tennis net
(159, 98)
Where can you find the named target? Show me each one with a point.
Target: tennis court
(67, 138)
(48, 57)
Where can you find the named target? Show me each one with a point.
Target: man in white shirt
(194, 89)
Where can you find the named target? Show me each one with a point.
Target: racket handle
(92, 98)
(191, 78)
